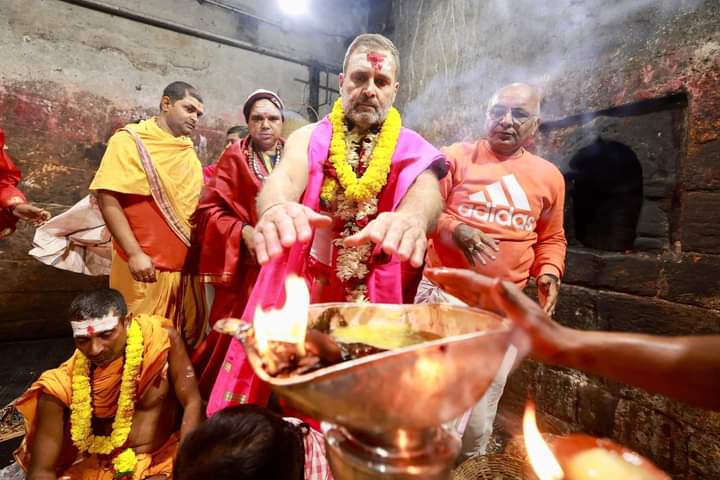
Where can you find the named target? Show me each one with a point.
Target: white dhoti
(76, 240)
(476, 425)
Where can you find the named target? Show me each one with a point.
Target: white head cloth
(90, 326)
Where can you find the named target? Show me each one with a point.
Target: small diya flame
(582, 457)
(541, 457)
(287, 324)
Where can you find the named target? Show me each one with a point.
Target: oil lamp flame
(541, 458)
(288, 323)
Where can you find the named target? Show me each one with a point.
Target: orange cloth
(159, 462)
(174, 158)
(153, 234)
(105, 389)
(518, 201)
(178, 296)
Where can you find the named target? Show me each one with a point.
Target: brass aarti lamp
(383, 415)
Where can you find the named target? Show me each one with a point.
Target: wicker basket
(496, 466)
(11, 423)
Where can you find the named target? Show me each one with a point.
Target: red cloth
(209, 172)
(227, 205)
(9, 193)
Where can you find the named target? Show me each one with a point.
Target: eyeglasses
(519, 116)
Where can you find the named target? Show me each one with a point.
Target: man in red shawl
(226, 216)
(14, 205)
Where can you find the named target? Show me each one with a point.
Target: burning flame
(286, 324)
(541, 458)
(402, 439)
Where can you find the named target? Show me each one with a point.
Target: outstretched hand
(397, 233)
(282, 225)
(471, 288)
(505, 297)
(32, 214)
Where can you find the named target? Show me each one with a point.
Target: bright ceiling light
(293, 7)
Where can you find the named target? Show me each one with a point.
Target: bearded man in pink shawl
(349, 207)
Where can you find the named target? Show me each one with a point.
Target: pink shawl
(413, 155)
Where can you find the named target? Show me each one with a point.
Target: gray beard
(365, 120)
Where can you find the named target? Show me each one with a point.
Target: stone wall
(643, 74)
(71, 75)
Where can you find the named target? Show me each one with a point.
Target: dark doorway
(606, 185)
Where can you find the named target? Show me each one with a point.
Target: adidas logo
(495, 206)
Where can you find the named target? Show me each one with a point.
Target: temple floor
(22, 362)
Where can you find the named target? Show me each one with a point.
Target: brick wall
(644, 74)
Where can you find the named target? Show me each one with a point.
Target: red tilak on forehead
(376, 60)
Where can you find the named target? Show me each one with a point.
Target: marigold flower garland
(356, 202)
(375, 177)
(81, 411)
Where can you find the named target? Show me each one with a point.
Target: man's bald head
(513, 117)
(528, 94)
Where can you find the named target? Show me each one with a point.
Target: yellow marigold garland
(124, 463)
(81, 406)
(327, 193)
(355, 200)
(375, 177)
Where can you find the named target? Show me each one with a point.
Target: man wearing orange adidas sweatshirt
(503, 218)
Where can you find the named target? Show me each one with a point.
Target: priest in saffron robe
(112, 410)
(226, 217)
(148, 186)
(348, 208)
(14, 205)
